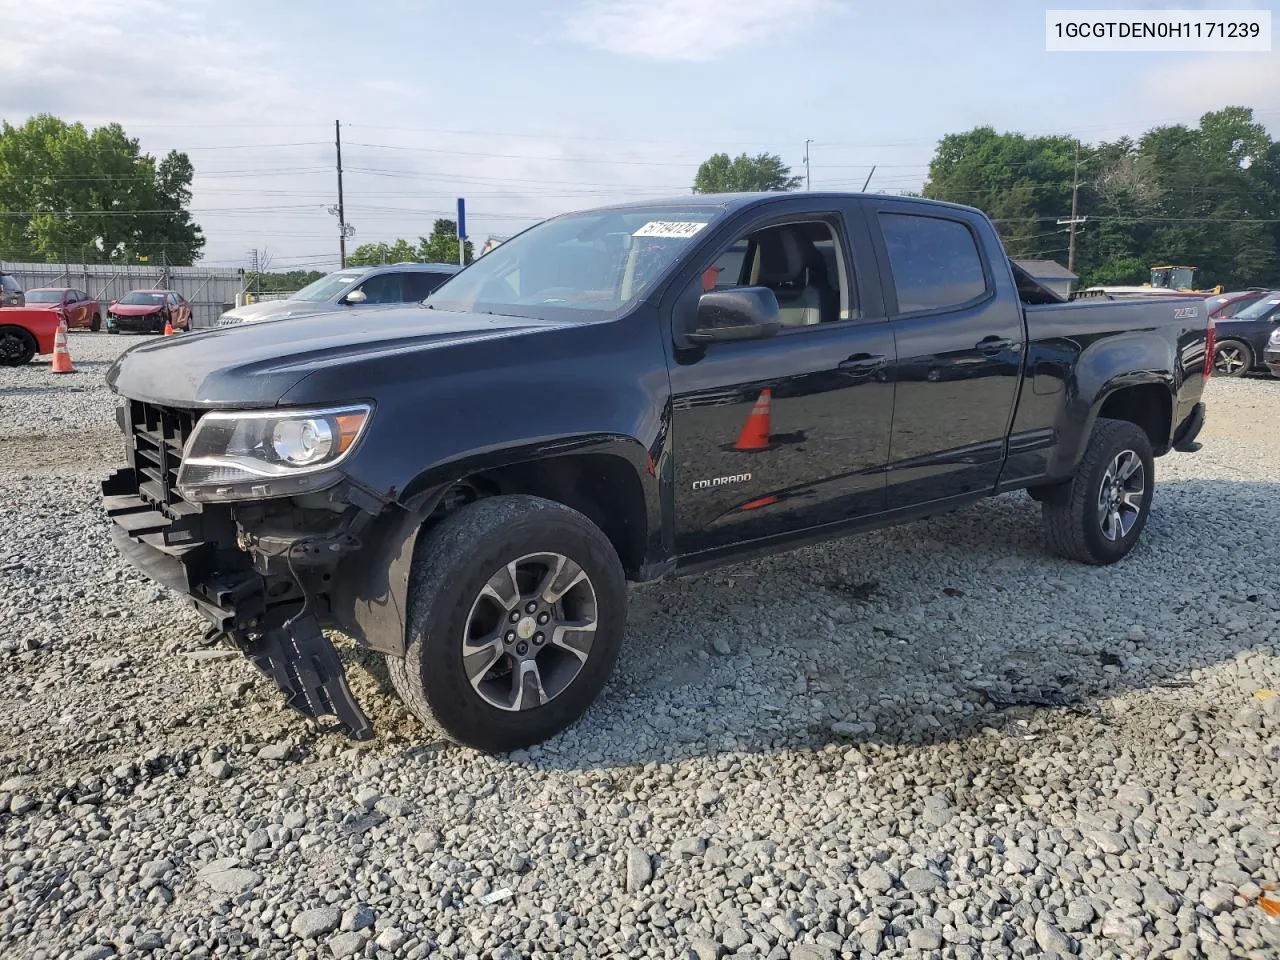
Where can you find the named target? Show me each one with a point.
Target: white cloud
(1189, 88)
(691, 30)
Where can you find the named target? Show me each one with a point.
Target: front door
(960, 348)
(772, 436)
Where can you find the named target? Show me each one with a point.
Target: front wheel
(95, 324)
(1231, 358)
(517, 606)
(1097, 516)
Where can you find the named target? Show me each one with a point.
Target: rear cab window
(935, 261)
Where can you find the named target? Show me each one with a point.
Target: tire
(17, 347)
(113, 330)
(1232, 358)
(95, 324)
(1076, 517)
(450, 598)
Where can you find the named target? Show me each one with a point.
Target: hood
(136, 309)
(274, 309)
(254, 365)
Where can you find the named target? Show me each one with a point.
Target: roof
(1045, 269)
(409, 267)
(738, 201)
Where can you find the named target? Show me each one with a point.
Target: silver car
(355, 287)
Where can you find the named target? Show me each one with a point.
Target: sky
(530, 109)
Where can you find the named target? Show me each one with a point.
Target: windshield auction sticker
(669, 229)
(1157, 31)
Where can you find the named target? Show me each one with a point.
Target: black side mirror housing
(740, 313)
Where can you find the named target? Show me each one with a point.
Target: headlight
(272, 453)
(1274, 339)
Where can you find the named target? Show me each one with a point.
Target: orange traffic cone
(755, 433)
(168, 328)
(61, 355)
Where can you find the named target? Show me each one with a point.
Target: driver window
(383, 288)
(802, 263)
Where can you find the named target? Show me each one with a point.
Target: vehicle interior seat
(781, 265)
(819, 279)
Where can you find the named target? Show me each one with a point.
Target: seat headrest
(781, 257)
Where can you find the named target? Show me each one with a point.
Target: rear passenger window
(935, 262)
(418, 285)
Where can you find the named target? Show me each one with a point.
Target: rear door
(416, 285)
(958, 328)
(778, 435)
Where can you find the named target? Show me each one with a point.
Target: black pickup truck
(626, 394)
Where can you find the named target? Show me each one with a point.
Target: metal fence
(211, 291)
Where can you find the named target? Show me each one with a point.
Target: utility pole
(1075, 200)
(808, 179)
(342, 217)
(1075, 218)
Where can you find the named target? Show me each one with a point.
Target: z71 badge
(1185, 313)
(721, 481)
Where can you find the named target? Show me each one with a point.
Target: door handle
(994, 345)
(862, 361)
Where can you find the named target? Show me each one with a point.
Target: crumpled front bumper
(194, 550)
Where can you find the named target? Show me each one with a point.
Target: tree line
(1205, 196)
(68, 194)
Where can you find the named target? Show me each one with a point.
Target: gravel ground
(827, 753)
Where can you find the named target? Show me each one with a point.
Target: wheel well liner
(1148, 406)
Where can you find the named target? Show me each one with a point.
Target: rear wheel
(1231, 358)
(1097, 516)
(517, 606)
(17, 346)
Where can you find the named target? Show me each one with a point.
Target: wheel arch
(608, 479)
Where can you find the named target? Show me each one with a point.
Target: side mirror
(741, 313)
(356, 296)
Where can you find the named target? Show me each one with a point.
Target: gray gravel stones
(315, 923)
(639, 869)
(228, 876)
(840, 786)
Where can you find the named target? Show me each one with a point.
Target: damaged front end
(268, 574)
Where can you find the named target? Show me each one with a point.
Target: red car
(1224, 306)
(81, 311)
(26, 331)
(146, 311)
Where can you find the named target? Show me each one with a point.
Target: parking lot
(931, 741)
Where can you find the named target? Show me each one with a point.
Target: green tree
(70, 194)
(281, 282)
(1206, 196)
(370, 254)
(764, 172)
(442, 245)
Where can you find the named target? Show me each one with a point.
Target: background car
(356, 287)
(77, 307)
(146, 311)
(24, 332)
(1241, 341)
(1224, 306)
(11, 294)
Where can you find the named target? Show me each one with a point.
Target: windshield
(1256, 311)
(44, 296)
(584, 266)
(141, 298)
(326, 288)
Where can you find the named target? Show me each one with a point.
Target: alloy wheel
(1121, 494)
(529, 632)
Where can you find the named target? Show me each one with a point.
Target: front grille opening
(157, 436)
